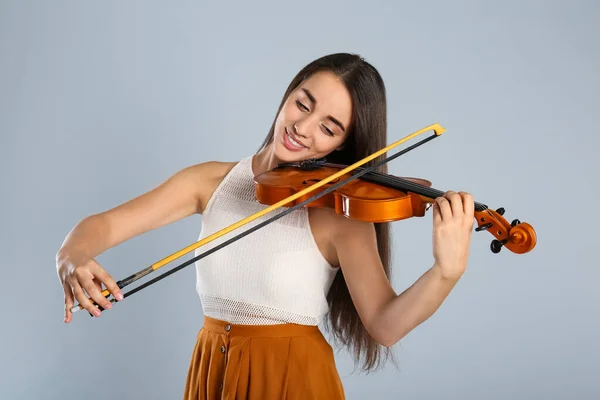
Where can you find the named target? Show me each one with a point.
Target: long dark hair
(367, 134)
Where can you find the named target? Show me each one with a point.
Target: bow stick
(437, 129)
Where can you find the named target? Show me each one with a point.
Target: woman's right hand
(185, 193)
(79, 278)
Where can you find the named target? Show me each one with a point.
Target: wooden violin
(379, 197)
(353, 191)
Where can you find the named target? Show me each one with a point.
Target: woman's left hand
(453, 219)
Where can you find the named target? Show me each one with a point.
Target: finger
(69, 302)
(469, 209)
(437, 216)
(95, 294)
(83, 299)
(98, 284)
(444, 205)
(468, 204)
(455, 202)
(107, 280)
(85, 279)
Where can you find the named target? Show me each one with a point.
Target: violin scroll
(518, 237)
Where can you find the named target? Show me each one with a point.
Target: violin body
(359, 199)
(377, 197)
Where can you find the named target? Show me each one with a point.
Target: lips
(292, 142)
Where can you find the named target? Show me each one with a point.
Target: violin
(375, 197)
(378, 197)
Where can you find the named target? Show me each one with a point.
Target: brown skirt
(261, 363)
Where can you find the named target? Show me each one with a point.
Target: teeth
(293, 141)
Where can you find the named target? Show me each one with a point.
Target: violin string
(398, 183)
(274, 218)
(394, 181)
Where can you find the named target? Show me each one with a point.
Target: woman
(264, 295)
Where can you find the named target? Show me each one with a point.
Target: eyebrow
(314, 101)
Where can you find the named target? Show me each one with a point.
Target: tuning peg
(484, 227)
(501, 211)
(515, 222)
(496, 245)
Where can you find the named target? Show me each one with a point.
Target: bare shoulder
(197, 182)
(208, 176)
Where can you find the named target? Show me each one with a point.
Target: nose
(298, 131)
(302, 128)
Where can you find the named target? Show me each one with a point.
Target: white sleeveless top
(273, 275)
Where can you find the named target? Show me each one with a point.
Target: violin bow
(437, 131)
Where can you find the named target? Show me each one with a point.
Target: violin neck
(408, 186)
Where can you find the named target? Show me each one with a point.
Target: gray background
(102, 101)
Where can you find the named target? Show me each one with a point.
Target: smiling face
(314, 119)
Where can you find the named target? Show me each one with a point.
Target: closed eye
(301, 106)
(328, 131)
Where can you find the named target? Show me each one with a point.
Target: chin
(285, 155)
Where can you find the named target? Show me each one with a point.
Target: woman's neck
(265, 160)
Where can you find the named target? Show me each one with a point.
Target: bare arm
(413, 306)
(183, 194)
(388, 317)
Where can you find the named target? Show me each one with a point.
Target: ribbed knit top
(274, 275)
